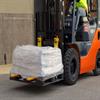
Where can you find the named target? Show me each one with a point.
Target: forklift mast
(52, 21)
(48, 18)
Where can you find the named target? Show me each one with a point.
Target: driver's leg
(80, 12)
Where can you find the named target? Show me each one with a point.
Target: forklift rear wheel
(97, 69)
(71, 67)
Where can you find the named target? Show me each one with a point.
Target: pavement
(87, 88)
(5, 69)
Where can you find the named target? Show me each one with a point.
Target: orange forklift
(55, 26)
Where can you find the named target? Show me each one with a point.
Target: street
(87, 88)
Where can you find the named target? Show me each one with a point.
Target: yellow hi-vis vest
(83, 4)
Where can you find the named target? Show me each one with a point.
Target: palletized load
(35, 61)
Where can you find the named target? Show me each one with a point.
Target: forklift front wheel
(97, 69)
(71, 66)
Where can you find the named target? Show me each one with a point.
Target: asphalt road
(87, 88)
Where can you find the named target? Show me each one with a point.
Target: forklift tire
(71, 67)
(97, 69)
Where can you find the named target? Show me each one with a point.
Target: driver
(82, 10)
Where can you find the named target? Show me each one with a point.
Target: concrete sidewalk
(5, 69)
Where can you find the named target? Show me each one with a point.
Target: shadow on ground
(31, 89)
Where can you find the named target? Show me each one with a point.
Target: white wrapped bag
(37, 61)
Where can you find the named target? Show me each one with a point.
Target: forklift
(55, 26)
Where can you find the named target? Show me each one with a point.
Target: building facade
(16, 26)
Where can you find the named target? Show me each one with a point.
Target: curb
(5, 69)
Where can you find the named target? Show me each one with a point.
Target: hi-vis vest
(83, 4)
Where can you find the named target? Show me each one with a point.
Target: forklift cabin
(55, 26)
(54, 19)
